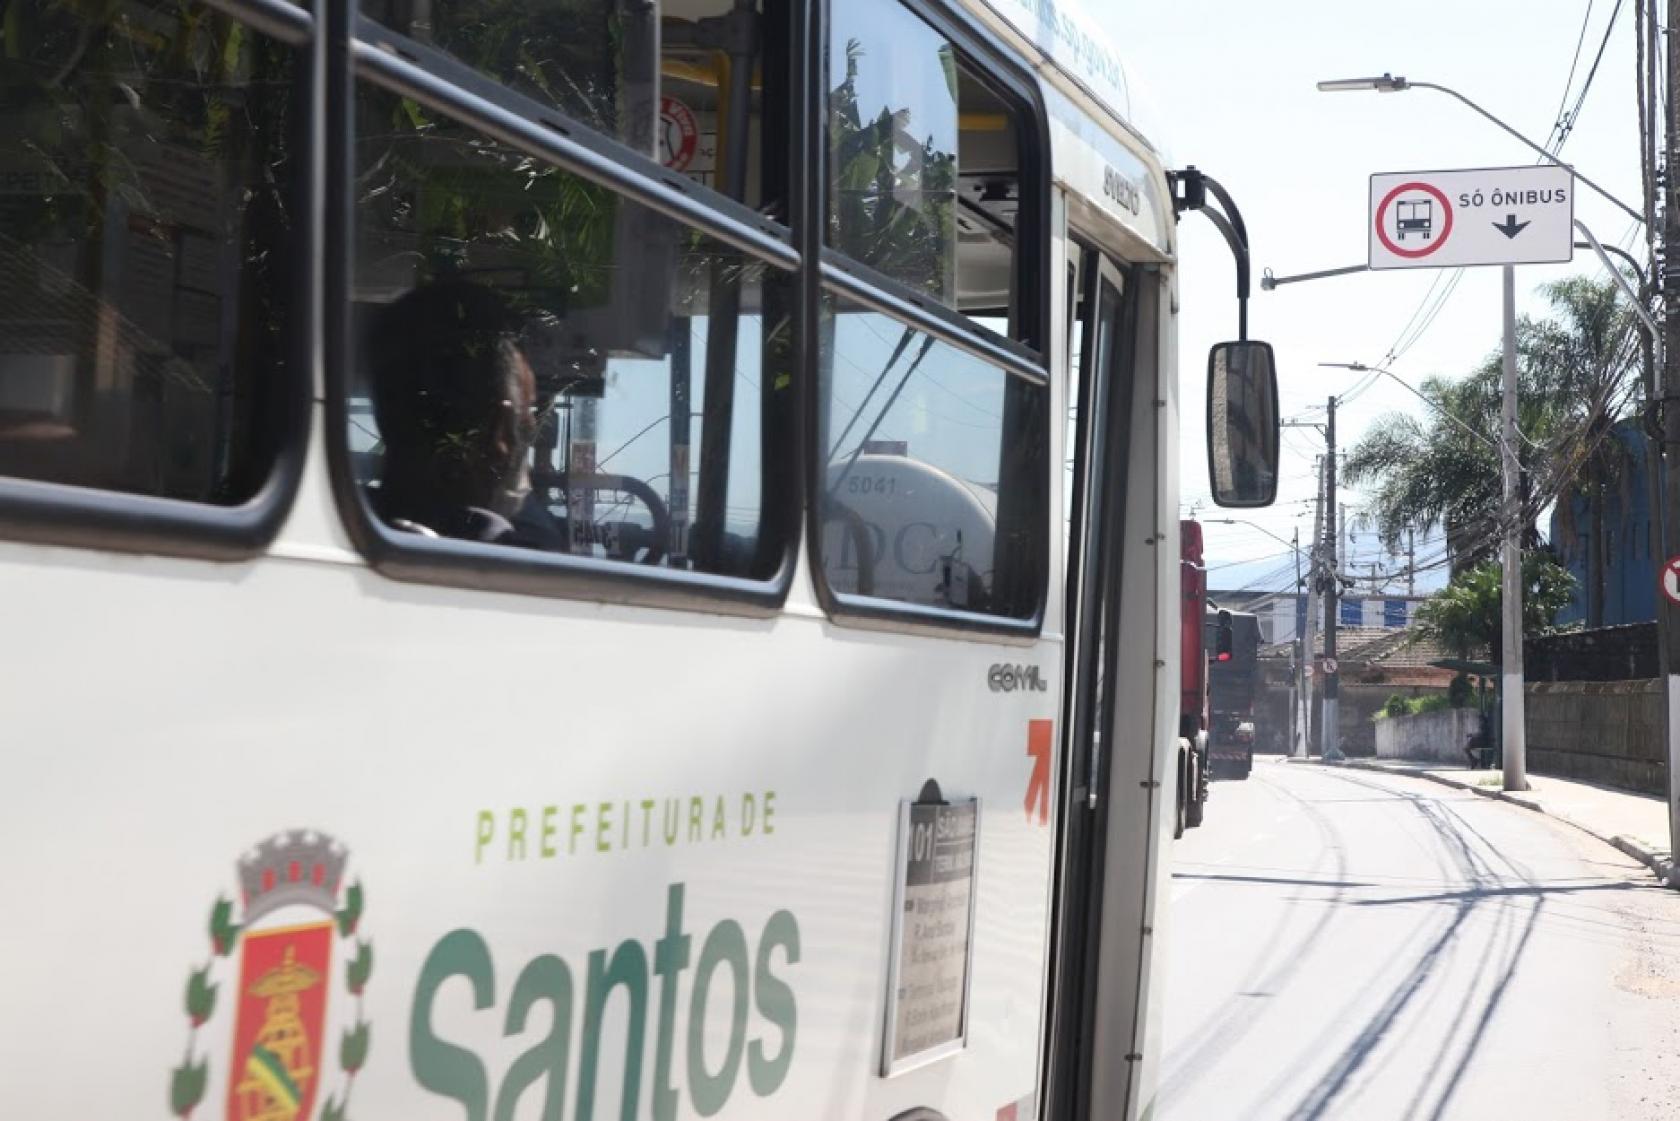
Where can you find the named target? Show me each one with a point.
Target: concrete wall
(1430, 735)
(1608, 732)
(1357, 702)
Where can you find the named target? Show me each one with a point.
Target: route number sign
(933, 933)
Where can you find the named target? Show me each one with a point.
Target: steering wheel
(626, 539)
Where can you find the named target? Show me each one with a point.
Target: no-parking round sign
(1671, 580)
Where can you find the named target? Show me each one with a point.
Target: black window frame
(364, 50)
(50, 513)
(1029, 358)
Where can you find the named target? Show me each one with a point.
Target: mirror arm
(1191, 188)
(1230, 208)
(1240, 252)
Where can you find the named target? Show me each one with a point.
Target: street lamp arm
(1440, 410)
(1531, 145)
(1293, 545)
(1269, 281)
(1627, 258)
(1654, 333)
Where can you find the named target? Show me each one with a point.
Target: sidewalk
(1637, 824)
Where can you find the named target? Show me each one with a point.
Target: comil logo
(1002, 678)
(271, 971)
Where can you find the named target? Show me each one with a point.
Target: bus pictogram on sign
(1416, 216)
(1418, 211)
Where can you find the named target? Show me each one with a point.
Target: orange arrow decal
(1038, 786)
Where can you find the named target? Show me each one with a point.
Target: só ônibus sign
(1483, 216)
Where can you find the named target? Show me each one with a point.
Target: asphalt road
(1352, 945)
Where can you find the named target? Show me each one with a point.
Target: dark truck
(1193, 678)
(1233, 682)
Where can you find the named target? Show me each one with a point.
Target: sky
(1232, 89)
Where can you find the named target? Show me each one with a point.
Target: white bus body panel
(170, 716)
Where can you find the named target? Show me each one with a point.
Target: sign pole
(1309, 644)
(1667, 376)
(1303, 651)
(1513, 746)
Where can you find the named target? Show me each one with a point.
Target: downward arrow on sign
(1038, 786)
(1510, 227)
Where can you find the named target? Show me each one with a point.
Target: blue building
(1630, 541)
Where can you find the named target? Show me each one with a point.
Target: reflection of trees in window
(892, 196)
(145, 309)
(456, 200)
(568, 53)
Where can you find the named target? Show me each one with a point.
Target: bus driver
(455, 400)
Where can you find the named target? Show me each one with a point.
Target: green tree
(1577, 374)
(1464, 617)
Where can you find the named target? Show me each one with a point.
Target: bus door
(1101, 342)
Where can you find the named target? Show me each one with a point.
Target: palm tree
(1577, 375)
(1465, 617)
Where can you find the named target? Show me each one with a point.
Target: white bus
(533, 567)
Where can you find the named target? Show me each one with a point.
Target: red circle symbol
(1435, 240)
(1671, 580)
(679, 134)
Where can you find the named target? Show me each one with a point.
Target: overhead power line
(1569, 82)
(1565, 126)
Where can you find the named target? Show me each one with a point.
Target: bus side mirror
(1242, 424)
(1222, 638)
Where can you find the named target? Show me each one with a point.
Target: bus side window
(931, 490)
(924, 179)
(542, 363)
(533, 358)
(145, 281)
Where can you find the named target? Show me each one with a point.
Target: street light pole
(1513, 742)
(1662, 486)
(1298, 714)
(1330, 737)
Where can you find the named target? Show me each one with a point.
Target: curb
(1661, 867)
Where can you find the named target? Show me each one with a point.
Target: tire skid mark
(1232, 1019)
(1474, 855)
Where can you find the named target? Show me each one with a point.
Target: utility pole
(1331, 734)
(1513, 746)
(1298, 712)
(1668, 621)
(1411, 565)
(1311, 639)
